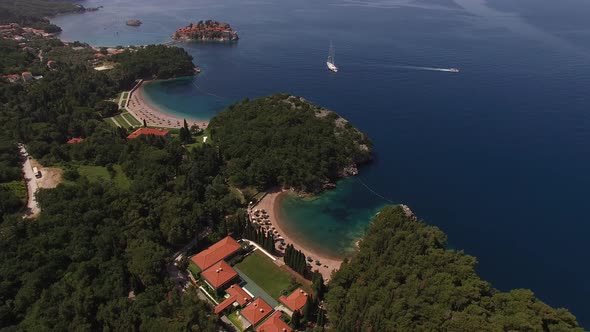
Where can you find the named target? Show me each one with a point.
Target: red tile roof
(296, 300)
(148, 131)
(256, 311)
(219, 274)
(220, 250)
(237, 294)
(75, 140)
(274, 323)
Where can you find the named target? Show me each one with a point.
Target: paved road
(32, 186)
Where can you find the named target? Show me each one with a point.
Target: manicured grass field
(131, 119)
(194, 269)
(121, 121)
(110, 121)
(233, 317)
(265, 273)
(100, 173)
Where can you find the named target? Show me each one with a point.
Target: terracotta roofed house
(223, 249)
(256, 311)
(148, 131)
(219, 274)
(27, 76)
(296, 300)
(274, 323)
(75, 140)
(236, 294)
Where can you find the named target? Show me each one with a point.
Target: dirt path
(32, 186)
(50, 178)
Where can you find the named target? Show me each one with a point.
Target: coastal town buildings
(75, 140)
(236, 295)
(221, 250)
(215, 276)
(295, 301)
(27, 76)
(274, 323)
(148, 131)
(256, 311)
(219, 275)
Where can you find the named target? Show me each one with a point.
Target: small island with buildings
(133, 23)
(206, 31)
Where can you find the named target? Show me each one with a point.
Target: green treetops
(404, 279)
(287, 141)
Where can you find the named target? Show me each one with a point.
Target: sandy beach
(270, 203)
(154, 116)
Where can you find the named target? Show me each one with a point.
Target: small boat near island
(330, 62)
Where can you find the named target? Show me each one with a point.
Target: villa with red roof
(75, 140)
(219, 275)
(256, 311)
(236, 295)
(148, 131)
(295, 301)
(221, 250)
(274, 323)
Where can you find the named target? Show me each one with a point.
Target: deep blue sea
(497, 156)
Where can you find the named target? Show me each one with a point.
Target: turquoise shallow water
(332, 222)
(497, 155)
(184, 98)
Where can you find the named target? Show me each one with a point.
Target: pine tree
(321, 320)
(144, 123)
(296, 319)
(308, 309)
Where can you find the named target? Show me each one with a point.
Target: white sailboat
(330, 62)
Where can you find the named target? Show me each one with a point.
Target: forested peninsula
(283, 140)
(34, 13)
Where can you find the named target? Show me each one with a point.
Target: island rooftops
(256, 311)
(296, 300)
(219, 274)
(274, 323)
(236, 294)
(220, 250)
(148, 131)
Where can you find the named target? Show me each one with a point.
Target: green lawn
(194, 269)
(233, 317)
(131, 119)
(265, 273)
(199, 139)
(18, 187)
(100, 173)
(121, 121)
(110, 121)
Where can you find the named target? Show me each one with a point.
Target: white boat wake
(448, 70)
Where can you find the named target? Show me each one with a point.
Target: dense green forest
(12, 59)
(150, 62)
(287, 141)
(32, 13)
(404, 279)
(74, 266)
(96, 257)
